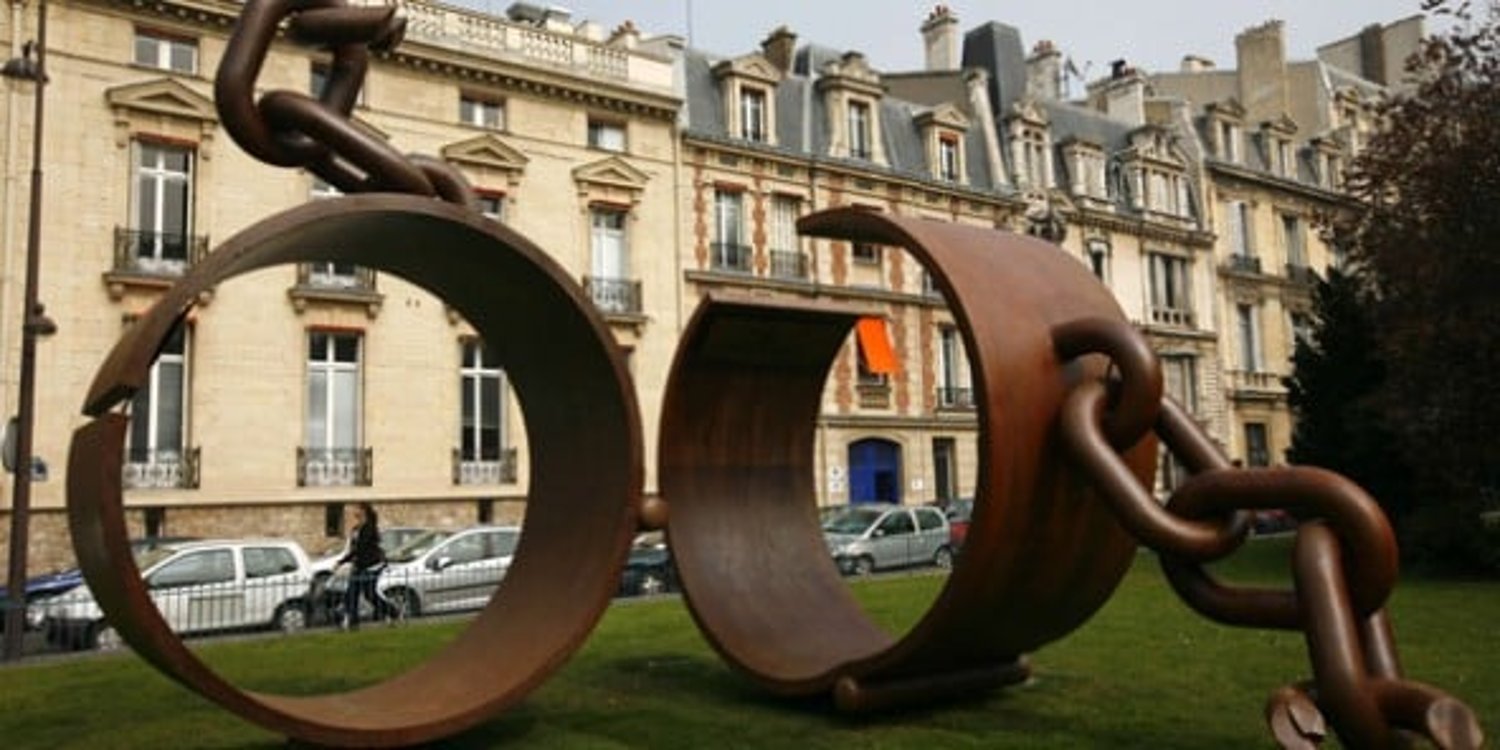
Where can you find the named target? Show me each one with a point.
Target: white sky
(1151, 34)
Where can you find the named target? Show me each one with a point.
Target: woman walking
(369, 560)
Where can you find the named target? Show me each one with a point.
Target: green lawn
(1146, 672)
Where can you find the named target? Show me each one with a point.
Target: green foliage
(1145, 672)
(1427, 237)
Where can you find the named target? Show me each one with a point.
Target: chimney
(940, 36)
(1261, 53)
(1196, 64)
(1121, 96)
(626, 35)
(1044, 72)
(779, 48)
(1372, 53)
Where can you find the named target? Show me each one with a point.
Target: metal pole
(32, 315)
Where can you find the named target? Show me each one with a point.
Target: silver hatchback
(864, 538)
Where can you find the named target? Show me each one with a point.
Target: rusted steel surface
(579, 402)
(737, 471)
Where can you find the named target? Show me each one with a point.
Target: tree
(1428, 237)
(1334, 391)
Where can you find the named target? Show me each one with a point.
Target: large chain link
(1344, 561)
(291, 129)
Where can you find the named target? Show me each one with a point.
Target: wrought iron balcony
(146, 252)
(335, 467)
(1243, 263)
(468, 471)
(730, 256)
(161, 469)
(1255, 380)
(788, 264)
(329, 277)
(874, 394)
(955, 398)
(617, 296)
(1171, 316)
(1301, 274)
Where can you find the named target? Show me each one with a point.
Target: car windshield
(850, 521)
(414, 548)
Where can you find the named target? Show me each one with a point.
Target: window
(1257, 447)
(1286, 158)
(1229, 142)
(606, 136)
(163, 201)
(195, 569)
(333, 398)
(953, 381)
(165, 51)
(944, 468)
(1171, 300)
(482, 423)
(330, 274)
(729, 251)
(786, 254)
(157, 418)
(897, 522)
(1180, 379)
(333, 520)
(948, 159)
(318, 75)
(610, 287)
(1237, 219)
(1098, 258)
(865, 252)
(753, 114)
(1291, 233)
(859, 130)
(480, 112)
(1035, 172)
(929, 519)
(492, 205)
(865, 375)
(264, 562)
(1249, 330)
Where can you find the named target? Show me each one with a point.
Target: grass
(1145, 672)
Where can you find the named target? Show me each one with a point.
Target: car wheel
(652, 583)
(405, 601)
(107, 638)
(290, 618)
(943, 558)
(864, 566)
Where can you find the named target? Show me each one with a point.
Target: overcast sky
(1151, 34)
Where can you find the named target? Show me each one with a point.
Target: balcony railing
(1243, 263)
(1171, 316)
(1301, 274)
(1255, 380)
(477, 471)
(322, 277)
(145, 252)
(874, 395)
(955, 398)
(730, 256)
(618, 296)
(788, 264)
(335, 467)
(161, 470)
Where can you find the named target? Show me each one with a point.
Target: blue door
(874, 471)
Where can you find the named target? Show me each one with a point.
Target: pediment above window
(852, 72)
(487, 150)
(162, 96)
(1229, 109)
(1283, 125)
(945, 115)
(613, 172)
(1029, 112)
(754, 67)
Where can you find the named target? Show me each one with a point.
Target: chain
(291, 129)
(1344, 560)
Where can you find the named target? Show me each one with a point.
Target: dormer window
(859, 130)
(948, 159)
(748, 90)
(1229, 142)
(1033, 165)
(753, 114)
(1086, 171)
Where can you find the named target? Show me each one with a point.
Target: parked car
(865, 538)
(649, 569)
(441, 571)
(958, 512)
(48, 585)
(198, 587)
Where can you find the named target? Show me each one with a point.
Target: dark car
(649, 569)
(49, 585)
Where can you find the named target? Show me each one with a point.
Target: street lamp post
(34, 323)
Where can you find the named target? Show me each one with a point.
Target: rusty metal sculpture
(1070, 412)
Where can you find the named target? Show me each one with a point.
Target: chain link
(1344, 562)
(291, 129)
